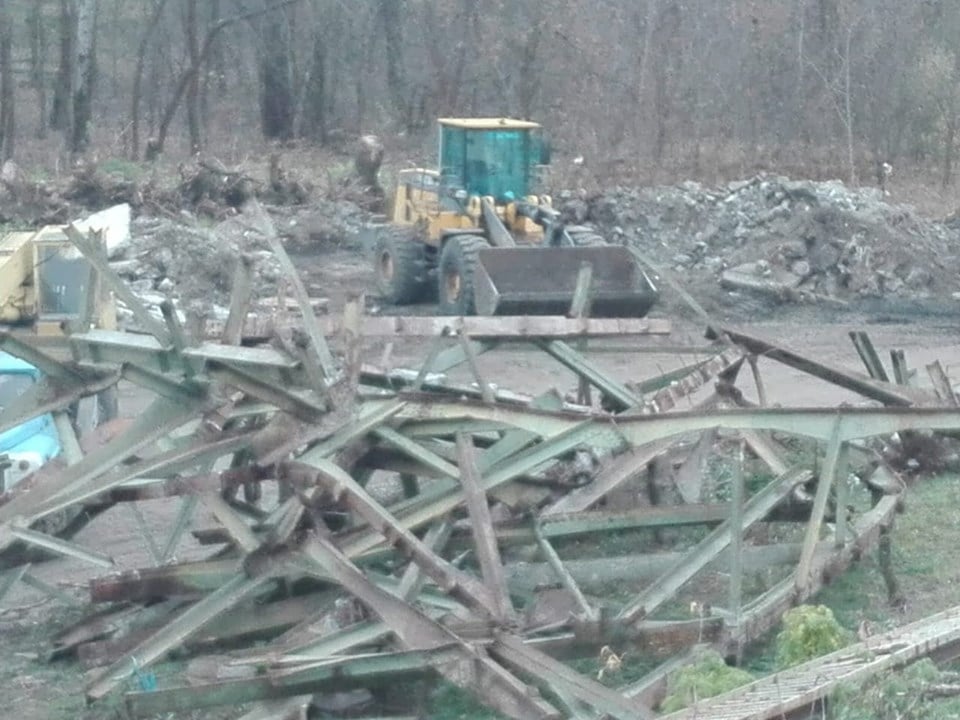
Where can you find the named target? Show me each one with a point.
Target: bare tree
(61, 114)
(84, 74)
(194, 66)
(38, 54)
(137, 95)
(193, 84)
(7, 101)
(277, 105)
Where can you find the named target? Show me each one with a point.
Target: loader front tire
(400, 269)
(458, 260)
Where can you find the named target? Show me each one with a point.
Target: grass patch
(121, 167)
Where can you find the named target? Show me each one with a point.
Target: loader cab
(491, 156)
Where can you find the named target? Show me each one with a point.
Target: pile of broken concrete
(193, 263)
(786, 239)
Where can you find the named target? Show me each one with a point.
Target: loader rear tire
(458, 259)
(400, 269)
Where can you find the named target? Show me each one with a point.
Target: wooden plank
(507, 326)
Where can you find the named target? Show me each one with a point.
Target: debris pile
(165, 257)
(193, 265)
(792, 240)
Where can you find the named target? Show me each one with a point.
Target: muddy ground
(42, 691)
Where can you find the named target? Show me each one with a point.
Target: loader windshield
(490, 162)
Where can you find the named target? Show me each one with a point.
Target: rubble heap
(305, 585)
(794, 239)
(194, 265)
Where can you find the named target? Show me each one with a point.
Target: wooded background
(811, 87)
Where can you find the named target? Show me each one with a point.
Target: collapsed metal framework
(438, 581)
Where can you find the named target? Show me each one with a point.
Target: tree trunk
(85, 71)
(61, 114)
(277, 103)
(949, 149)
(38, 54)
(193, 87)
(156, 145)
(7, 103)
(391, 15)
(848, 107)
(641, 107)
(313, 117)
(137, 95)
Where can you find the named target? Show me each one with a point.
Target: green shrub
(809, 631)
(707, 677)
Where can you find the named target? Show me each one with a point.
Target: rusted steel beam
(96, 256)
(50, 395)
(833, 471)
(618, 471)
(941, 384)
(447, 500)
(186, 624)
(162, 417)
(459, 584)
(337, 674)
(868, 354)
(612, 389)
(148, 583)
(473, 669)
(240, 294)
(311, 325)
(725, 365)
(488, 554)
(765, 612)
(554, 674)
(882, 392)
(707, 549)
(284, 399)
(168, 462)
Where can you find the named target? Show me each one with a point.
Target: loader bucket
(542, 280)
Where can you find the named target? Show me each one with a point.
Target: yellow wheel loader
(472, 234)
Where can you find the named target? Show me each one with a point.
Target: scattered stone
(825, 239)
